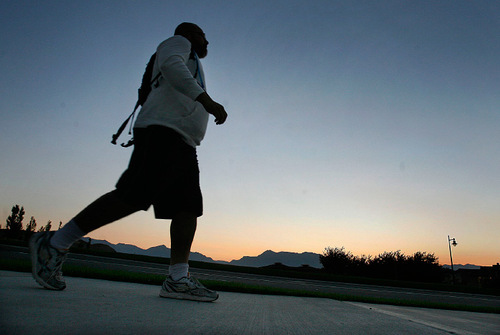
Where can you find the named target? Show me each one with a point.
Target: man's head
(195, 35)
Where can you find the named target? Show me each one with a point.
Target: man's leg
(49, 249)
(182, 230)
(178, 284)
(102, 211)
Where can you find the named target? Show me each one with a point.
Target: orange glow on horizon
(229, 251)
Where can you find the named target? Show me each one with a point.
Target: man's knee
(128, 200)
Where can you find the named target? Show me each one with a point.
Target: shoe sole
(34, 268)
(185, 296)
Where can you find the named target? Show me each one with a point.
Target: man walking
(163, 169)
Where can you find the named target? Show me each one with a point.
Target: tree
(30, 227)
(337, 260)
(361, 264)
(424, 267)
(15, 220)
(421, 266)
(388, 264)
(46, 227)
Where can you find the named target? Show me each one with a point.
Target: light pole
(452, 241)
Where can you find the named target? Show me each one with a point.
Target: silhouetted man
(163, 169)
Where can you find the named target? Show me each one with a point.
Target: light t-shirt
(171, 102)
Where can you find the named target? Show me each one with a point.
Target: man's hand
(213, 108)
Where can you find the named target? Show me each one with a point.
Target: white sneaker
(187, 288)
(46, 262)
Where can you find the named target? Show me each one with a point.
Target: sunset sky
(372, 125)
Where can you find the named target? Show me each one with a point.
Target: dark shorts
(163, 172)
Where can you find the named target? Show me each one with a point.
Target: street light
(452, 241)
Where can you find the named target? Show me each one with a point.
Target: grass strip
(21, 265)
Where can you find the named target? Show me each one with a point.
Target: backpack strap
(122, 127)
(143, 94)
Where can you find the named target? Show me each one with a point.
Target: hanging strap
(198, 73)
(143, 91)
(131, 119)
(124, 124)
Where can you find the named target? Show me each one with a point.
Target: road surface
(90, 306)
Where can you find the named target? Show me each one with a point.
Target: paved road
(301, 284)
(90, 306)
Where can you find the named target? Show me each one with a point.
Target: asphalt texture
(90, 306)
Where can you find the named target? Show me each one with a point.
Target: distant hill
(461, 266)
(270, 257)
(158, 251)
(94, 246)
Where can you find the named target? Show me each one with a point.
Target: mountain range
(268, 257)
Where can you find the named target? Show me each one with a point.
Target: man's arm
(212, 107)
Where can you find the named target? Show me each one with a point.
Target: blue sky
(369, 125)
